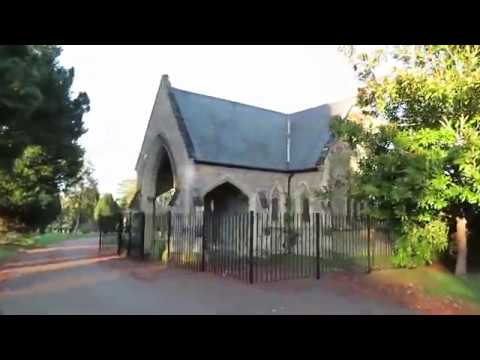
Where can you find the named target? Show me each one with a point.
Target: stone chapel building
(226, 157)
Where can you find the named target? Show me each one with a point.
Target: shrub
(418, 244)
(107, 214)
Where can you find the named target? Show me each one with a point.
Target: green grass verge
(438, 283)
(464, 287)
(53, 238)
(29, 241)
(6, 252)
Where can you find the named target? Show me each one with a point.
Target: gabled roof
(224, 132)
(311, 133)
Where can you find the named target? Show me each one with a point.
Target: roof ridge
(344, 100)
(231, 101)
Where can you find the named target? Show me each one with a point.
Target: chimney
(165, 81)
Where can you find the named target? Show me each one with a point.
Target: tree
(47, 214)
(79, 201)
(40, 123)
(420, 168)
(29, 191)
(127, 190)
(107, 214)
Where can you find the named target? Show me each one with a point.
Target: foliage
(40, 124)
(107, 214)
(32, 196)
(127, 190)
(161, 251)
(349, 131)
(78, 203)
(16, 239)
(164, 199)
(291, 235)
(418, 244)
(419, 168)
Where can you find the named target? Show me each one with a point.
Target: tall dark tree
(40, 124)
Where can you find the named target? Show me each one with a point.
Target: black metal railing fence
(255, 248)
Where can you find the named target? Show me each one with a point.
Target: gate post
(374, 244)
(203, 241)
(153, 238)
(129, 245)
(119, 239)
(250, 255)
(142, 251)
(169, 233)
(317, 242)
(120, 233)
(369, 245)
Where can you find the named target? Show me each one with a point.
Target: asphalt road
(73, 278)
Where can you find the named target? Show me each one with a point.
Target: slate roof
(224, 132)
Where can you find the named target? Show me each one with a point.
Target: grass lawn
(6, 251)
(36, 241)
(464, 287)
(52, 238)
(436, 282)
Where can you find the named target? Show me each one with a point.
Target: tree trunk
(461, 238)
(77, 224)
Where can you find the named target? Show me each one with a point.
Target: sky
(122, 81)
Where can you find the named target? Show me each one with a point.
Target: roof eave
(257, 168)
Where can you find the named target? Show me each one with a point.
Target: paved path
(72, 278)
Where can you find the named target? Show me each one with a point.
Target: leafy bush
(418, 244)
(164, 252)
(107, 214)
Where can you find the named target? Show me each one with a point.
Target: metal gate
(132, 238)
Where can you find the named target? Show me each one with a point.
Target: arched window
(275, 205)
(226, 199)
